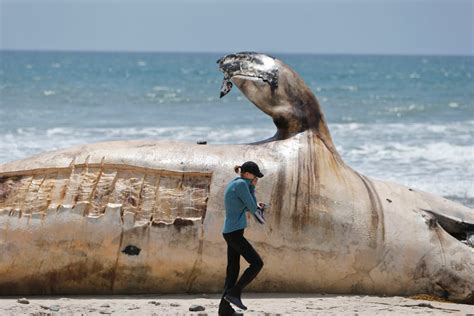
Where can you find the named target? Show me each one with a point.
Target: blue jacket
(239, 197)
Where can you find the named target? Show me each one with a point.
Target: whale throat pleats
(152, 195)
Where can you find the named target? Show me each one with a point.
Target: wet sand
(257, 303)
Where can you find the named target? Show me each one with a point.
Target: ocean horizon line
(229, 52)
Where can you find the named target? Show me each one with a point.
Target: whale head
(275, 89)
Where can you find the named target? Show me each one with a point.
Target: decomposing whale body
(146, 216)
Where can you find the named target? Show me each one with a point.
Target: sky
(413, 27)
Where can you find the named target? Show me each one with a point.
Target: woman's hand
(261, 204)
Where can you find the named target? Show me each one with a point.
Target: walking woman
(239, 197)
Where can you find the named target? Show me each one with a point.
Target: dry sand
(257, 303)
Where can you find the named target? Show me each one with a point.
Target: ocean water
(408, 119)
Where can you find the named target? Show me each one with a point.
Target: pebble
(154, 303)
(174, 304)
(196, 308)
(23, 301)
(54, 308)
(105, 312)
(105, 305)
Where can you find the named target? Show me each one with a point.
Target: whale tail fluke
(453, 225)
(456, 219)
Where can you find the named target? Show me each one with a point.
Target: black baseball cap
(252, 167)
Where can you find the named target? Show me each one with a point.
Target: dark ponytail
(236, 169)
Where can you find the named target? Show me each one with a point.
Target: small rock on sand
(154, 303)
(54, 308)
(196, 308)
(174, 304)
(23, 301)
(105, 305)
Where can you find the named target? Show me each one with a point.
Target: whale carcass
(146, 216)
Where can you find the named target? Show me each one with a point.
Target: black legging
(237, 245)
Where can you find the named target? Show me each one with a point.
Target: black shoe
(226, 310)
(230, 314)
(236, 301)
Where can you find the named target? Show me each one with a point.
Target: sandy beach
(257, 303)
